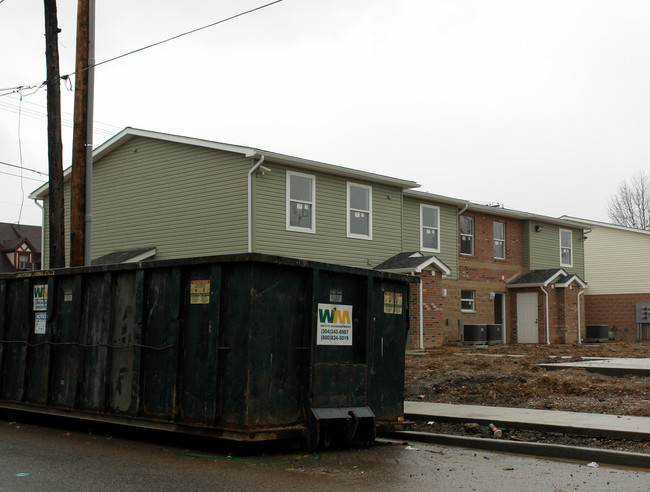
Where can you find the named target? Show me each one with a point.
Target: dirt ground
(477, 376)
(508, 376)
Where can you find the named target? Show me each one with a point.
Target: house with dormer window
(20, 247)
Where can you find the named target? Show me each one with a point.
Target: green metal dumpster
(246, 347)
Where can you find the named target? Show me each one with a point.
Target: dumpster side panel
(340, 372)
(68, 353)
(390, 323)
(125, 336)
(40, 353)
(97, 313)
(201, 286)
(279, 299)
(17, 328)
(161, 337)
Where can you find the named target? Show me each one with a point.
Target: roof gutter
(250, 202)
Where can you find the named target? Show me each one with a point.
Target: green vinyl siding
(183, 200)
(542, 249)
(45, 260)
(448, 232)
(329, 242)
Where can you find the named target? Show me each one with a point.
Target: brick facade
(618, 311)
(488, 277)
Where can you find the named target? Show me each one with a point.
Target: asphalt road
(73, 457)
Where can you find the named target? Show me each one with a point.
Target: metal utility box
(494, 334)
(474, 334)
(246, 347)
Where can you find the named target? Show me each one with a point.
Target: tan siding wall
(448, 232)
(617, 261)
(544, 248)
(330, 242)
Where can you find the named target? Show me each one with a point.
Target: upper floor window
(429, 228)
(466, 235)
(301, 202)
(359, 211)
(566, 248)
(499, 236)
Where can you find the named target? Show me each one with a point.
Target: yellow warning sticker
(200, 292)
(389, 302)
(398, 303)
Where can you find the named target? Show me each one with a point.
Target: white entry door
(527, 318)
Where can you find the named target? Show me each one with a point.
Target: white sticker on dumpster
(334, 324)
(40, 323)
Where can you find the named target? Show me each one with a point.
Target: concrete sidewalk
(588, 424)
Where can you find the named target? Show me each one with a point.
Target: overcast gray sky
(542, 106)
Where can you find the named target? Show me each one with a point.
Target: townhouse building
(161, 196)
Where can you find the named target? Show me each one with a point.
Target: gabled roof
(125, 256)
(498, 210)
(12, 235)
(542, 278)
(129, 133)
(412, 262)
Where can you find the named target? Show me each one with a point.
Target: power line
(23, 168)
(24, 177)
(37, 86)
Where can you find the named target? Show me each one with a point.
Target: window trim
(570, 264)
(308, 230)
(422, 227)
(472, 300)
(501, 240)
(369, 211)
(469, 235)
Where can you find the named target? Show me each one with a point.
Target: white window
(499, 236)
(466, 235)
(301, 202)
(566, 248)
(359, 211)
(467, 300)
(429, 228)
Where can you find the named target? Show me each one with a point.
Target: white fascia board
(128, 133)
(336, 170)
(595, 223)
(572, 279)
(561, 271)
(435, 261)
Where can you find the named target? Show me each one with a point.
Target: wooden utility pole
(78, 182)
(54, 145)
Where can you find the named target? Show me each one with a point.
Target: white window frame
(466, 299)
(423, 227)
(312, 203)
(570, 248)
(501, 240)
(469, 235)
(350, 210)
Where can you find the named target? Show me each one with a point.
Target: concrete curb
(542, 450)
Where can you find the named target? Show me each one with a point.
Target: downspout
(42, 230)
(421, 316)
(579, 325)
(548, 341)
(463, 209)
(250, 203)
